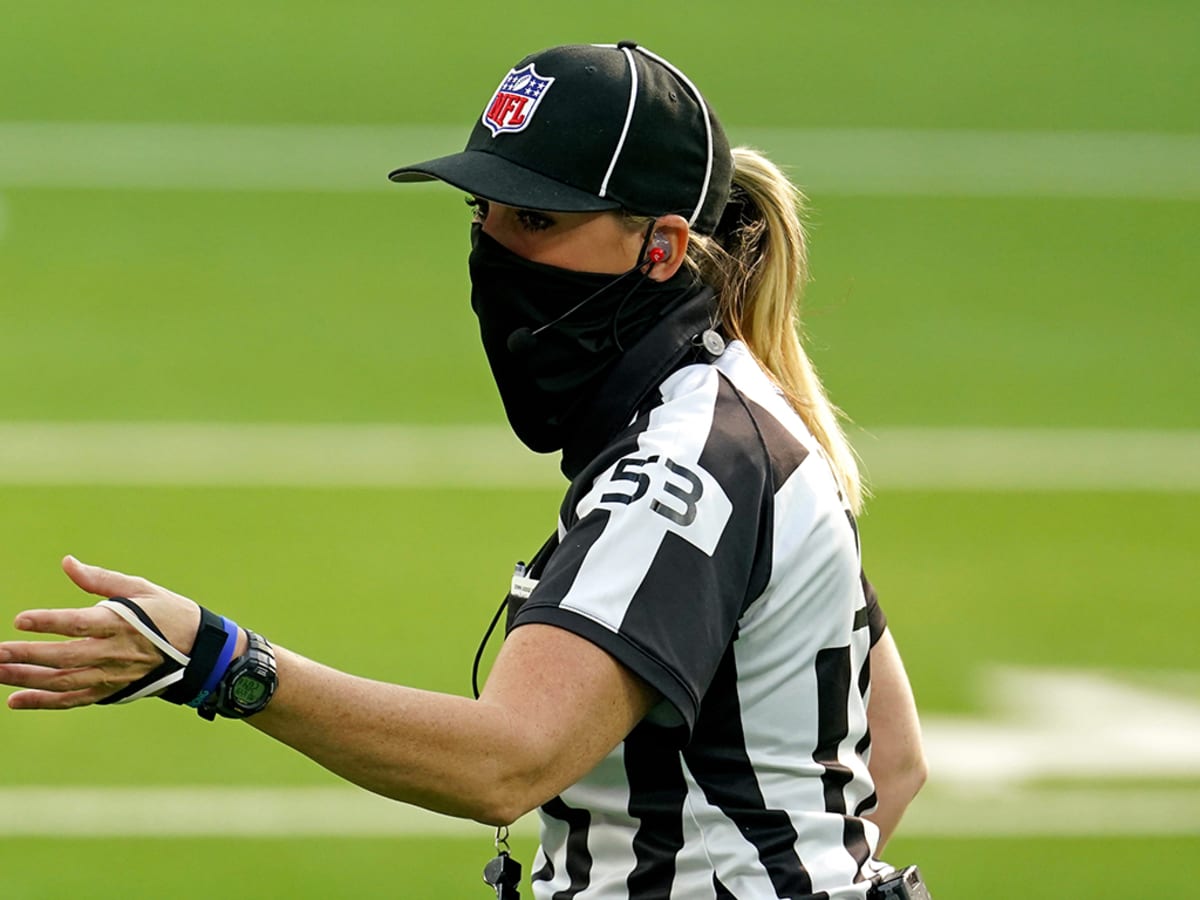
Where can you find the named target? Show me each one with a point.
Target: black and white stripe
(709, 550)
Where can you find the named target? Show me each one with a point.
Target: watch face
(248, 691)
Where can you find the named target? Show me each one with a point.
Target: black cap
(588, 127)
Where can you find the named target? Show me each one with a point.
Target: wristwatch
(248, 683)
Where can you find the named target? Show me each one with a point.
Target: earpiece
(660, 248)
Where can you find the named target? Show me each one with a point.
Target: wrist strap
(211, 639)
(182, 678)
(220, 668)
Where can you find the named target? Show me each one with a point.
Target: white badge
(521, 586)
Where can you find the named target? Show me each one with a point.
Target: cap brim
(502, 181)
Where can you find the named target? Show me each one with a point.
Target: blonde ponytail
(758, 263)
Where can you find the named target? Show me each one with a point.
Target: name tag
(522, 587)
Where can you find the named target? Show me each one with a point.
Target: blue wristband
(219, 670)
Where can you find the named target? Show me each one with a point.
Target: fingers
(104, 582)
(49, 700)
(129, 651)
(107, 655)
(60, 681)
(91, 621)
(87, 670)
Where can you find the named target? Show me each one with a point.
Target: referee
(698, 690)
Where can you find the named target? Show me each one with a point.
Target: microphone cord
(642, 261)
(487, 636)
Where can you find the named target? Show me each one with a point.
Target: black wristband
(206, 651)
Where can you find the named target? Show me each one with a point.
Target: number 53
(685, 486)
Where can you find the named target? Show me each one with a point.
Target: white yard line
(1018, 459)
(64, 812)
(270, 455)
(1055, 812)
(151, 156)
(463, 456)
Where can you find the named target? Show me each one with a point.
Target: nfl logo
(515, 101)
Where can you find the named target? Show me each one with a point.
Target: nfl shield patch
(515, 101)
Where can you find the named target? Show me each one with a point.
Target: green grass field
(932, 306)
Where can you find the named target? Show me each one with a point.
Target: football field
(236, 360)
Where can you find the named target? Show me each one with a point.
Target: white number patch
(690, 500)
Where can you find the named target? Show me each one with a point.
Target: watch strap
(258, 661)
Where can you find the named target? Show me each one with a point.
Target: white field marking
(183, 812)
(1064, 725)
(270, 455)
(1067, 724)
(1018, 459)
(465, 456)
(865, 161)
(1054, 812)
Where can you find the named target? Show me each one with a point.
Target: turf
(975, 64)
(345, 307)
(449, 869)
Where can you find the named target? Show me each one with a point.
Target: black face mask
(546, 368)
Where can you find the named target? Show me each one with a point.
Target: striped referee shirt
(707, 547)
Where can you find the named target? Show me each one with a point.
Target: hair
(757, 261)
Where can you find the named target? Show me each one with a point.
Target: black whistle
(504, 874)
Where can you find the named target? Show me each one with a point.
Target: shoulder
(752, 412)
(725, 422)
(702, 416)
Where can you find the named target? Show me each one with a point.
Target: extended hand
(106, 653)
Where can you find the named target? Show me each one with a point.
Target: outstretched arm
(553, 707)
(897, 758)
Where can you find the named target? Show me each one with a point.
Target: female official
(697, 691)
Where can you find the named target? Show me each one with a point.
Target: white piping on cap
(633, 89)
(707, 130)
